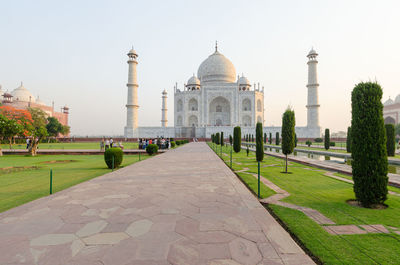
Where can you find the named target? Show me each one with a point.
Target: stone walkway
(181, 207)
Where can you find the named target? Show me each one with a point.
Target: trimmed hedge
(368, 144)
(237, 139)
(308, 142)
(116, 153)
(217, 138)
(173, 144)
(318, 140)
(152, 149)
(327, 139)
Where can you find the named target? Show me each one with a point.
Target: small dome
(388, 102)
(397, 99)
(217, 68)
(38, 101)
(312, 53)
(132, 52)
(164, 92)
(193, 81)
(244, 81)
(22, 94)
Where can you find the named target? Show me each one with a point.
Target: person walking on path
(102, 145)
(107, 144)
(111, 142)
(28, 142)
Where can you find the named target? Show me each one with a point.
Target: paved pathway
(181, 207)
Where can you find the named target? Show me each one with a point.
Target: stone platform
(181, 207)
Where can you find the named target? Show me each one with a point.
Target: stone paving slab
(181, 207)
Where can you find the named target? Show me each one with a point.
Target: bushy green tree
(222, 139)
(288, 134)
(39, 130)
(53, 127)
(277, 142)
(390, 139)
(217, 137)
(237, 139)
(327, 142)
(348, 140)
(368, 144)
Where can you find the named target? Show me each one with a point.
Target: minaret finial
(216, 46)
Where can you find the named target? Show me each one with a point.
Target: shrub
(327, 139)
(237, 139)
(116, 153)
(172, 144)
(277, 138)
(152, 149)
(288, 123)
(348, 140)
(318, 140)
(178, 142)
(308, 142)
(332, 143)
(259, 142)
(390, 139)
(368, 144)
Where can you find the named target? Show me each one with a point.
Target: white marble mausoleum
(217, 100)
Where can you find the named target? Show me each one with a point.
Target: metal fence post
(51, 181)
(231, 156)
(259, 179)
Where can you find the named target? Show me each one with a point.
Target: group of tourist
(29, 142)
(109, 143)
(161, 142)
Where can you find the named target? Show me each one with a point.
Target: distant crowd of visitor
(162, 143)
(109, 143)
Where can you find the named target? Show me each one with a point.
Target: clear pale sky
(74, 52)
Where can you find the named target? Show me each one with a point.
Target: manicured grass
(21, 185)
(309, 187)
(76, 145)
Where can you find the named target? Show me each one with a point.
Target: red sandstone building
(22, 98)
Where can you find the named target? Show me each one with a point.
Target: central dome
(217, 68)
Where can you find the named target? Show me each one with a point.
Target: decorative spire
(216, 46)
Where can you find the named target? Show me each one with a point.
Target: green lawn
(25, 178)
(76, 145)
(311, 188)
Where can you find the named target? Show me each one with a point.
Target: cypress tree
(288, 134)
(390, 139)
(348, 140)
(259, 142)
(222, 139)
(252, 138)
(327, 141)
(277, 138)
(295, 140)
(230, 139)
(270, 138)
(265, 138)
(217, 138)
(259, 150)
(368, 144)
(237, 139)
(212, 138)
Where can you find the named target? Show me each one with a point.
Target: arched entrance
(219, 112)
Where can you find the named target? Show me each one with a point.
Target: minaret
(312, 102)
(132, 101)
(164, 110)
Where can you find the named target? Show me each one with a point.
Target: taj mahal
(216, 100)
